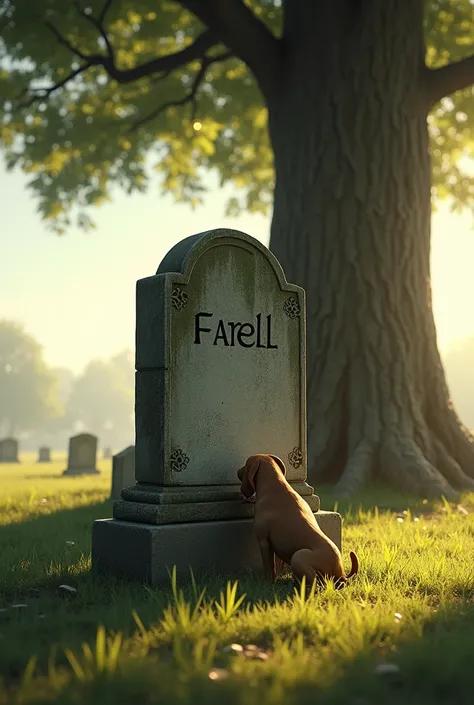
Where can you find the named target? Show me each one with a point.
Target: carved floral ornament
(178, 460)
(292, 307)
(179, 298)
(295, 458)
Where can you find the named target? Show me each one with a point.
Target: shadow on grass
(386, 501)
(38, 553)
(41, 553)
(435, 666)
(45, 545)
(430, 665)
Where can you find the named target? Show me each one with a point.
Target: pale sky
(76, 293)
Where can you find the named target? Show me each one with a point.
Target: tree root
(426, 452)
(451, 469)
(456, 438)
(403, 466)
(358, 469)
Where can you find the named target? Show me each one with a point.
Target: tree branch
(98, 23)
(190, 97)
(104, 11)
(163, 65)
(196, 50)
(449, 79)
(244, 34)
(44, 93)
(65, 42)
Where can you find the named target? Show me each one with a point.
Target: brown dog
(285, 525)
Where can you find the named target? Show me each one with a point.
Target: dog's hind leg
(301, 565)
(268, 559)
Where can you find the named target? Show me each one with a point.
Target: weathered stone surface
(150, 413)
(146, 552)
(123, 471)
(229, 370)
(9, 450)
(220, 363)
(82, 456)
(44, 455)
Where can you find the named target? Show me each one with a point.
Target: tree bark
(351, 225)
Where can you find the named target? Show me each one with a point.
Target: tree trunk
(351, 225)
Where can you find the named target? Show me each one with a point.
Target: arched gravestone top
(183, 256)
(125, 452)
(221, 363)
(84, 436)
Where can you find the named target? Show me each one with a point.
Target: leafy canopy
(79, 139)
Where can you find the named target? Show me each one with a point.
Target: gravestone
(82, 455)
(44, 455)
(107, 453)
(123, 471)
(9, 450)
(220, 375)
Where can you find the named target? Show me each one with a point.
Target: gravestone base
(146, 552)
(80, 471)
(150, 504)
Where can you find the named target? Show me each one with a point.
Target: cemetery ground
(401, 632)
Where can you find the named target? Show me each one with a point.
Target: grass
(401, 633)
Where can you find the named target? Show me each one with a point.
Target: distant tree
(61, 425)
(102, 398)
(65, 381)
(29, 390)
(124, 363)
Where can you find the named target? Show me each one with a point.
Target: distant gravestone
(9, 450)
(107, 454)
(123, 471)
(221, 375)
(44, 455)
(82, 456)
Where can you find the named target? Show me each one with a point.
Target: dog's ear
(252, 465)
(280, 463)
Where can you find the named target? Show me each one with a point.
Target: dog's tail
(354, 565)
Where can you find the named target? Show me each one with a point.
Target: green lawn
(403, 632)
